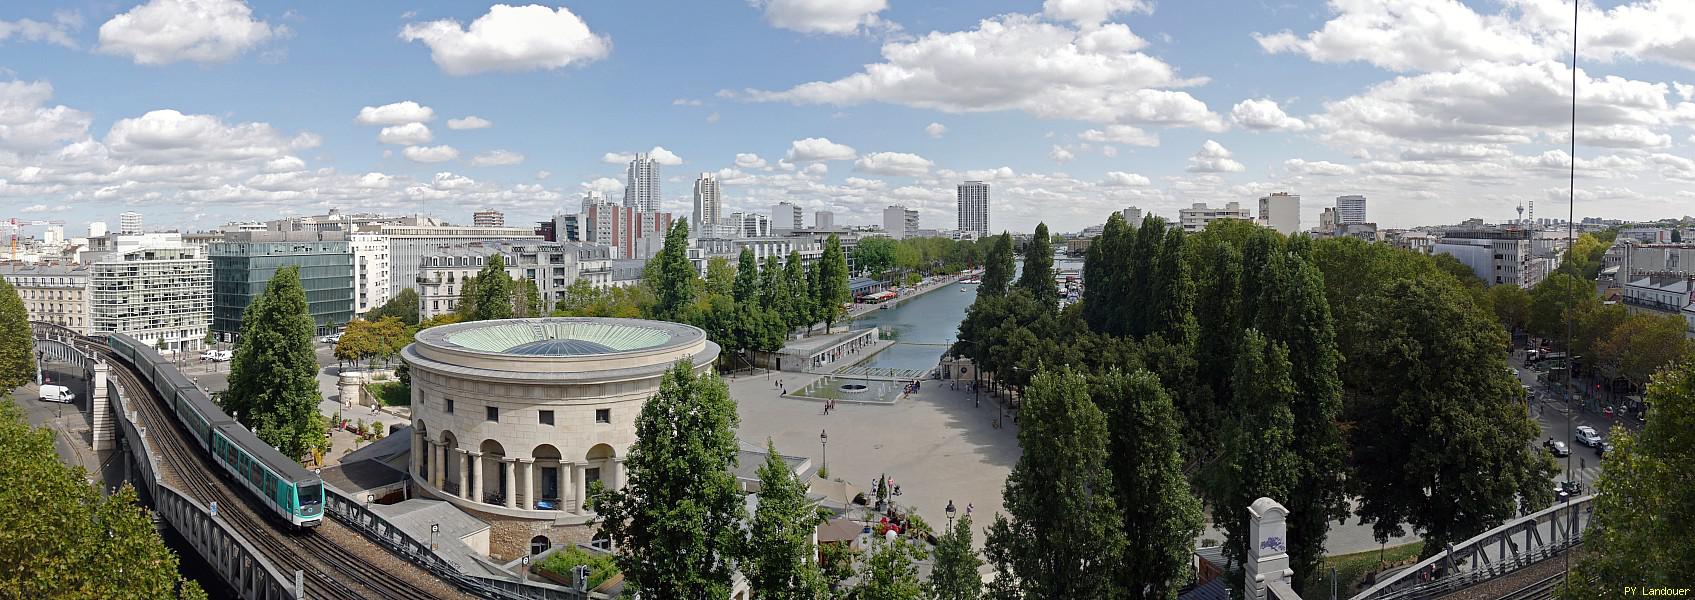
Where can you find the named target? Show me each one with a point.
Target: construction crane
(17, 226)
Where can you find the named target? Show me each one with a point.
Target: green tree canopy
(1643, 533)
(955, 576)
(672, 277)
(797, 311)
(998, 266)
(678, 521)
(1146, 460)
(780, 555)
(61, 538)
(526, 299)
(1553, 300)
(493, 291)
(404, 306)
(1643, 344)
(273, 383)
(773, 287)
(720, 277)
(1065, 534)
(1038, 275)
(746, 290)
(17, 362)
(1440, 438)
(1104, 271)
(888, 572)
(832, 289)
(1511, 305)
(1258, 459)
(874, 256)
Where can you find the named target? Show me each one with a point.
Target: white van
(57, 393)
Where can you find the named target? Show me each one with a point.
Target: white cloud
(819, 149)
(1120, 134)
(712, 118)
(170, 137)
(375, 180)
(166, 31)
(604, 185)
(286, 164)
(29, 30)
(410, 134)
(398, 113)
(893, 163)
(27, 124)
(659, 155)
(448, 181)
(935, 130)
(1047, 70)
(1264, 115)
(685, 102)
(469, 122)
(1090, 12)
(1409, 35)
(617, 158)
(1322, 167)
(39, 208)
(544, 174)
(1109, 151)
(749, 161)
(1060, 154)
(430, 154)
(817, 169)
(1213, 158)
(840, 17)
(494, 158)
(510, 38)
(1123, 179)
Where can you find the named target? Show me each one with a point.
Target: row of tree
(885, 258)
(682, 531)
(17, 348)
(1246, 333)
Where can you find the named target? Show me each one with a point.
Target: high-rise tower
(641, 186)
(973, 201)
(708, 207)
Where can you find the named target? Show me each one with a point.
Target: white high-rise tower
(641, 186)
(708, 207)
(129, 223)
(1350, 210)
(974, 207)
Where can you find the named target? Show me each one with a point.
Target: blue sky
(1437, 110)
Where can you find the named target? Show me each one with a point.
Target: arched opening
(550, 487)
(450, 471)
(600, 466)
(421, 449)
(602, 541)
(539, 544)
(491, 474)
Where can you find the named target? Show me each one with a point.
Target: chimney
(1268, 550)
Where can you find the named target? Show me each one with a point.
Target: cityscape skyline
(219, 120)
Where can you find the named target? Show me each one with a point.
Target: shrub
(561, 562)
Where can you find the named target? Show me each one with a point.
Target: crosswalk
(1587, 471)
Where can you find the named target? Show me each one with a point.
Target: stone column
(579, 486)
(463, 460)
(417, 458)
(509, 491)
(567, 486)
(529, 483)
(1268, 550)
(475, 492)
(438, 471)
(617, 466)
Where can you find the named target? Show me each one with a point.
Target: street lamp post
(950, 510)
(824, 444)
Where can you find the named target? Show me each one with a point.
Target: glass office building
(243, 264)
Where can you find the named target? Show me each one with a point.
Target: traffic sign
(213, 506)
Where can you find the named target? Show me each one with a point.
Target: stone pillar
(567, 485)
(1268, 550)
(475, 492)
(464, 461)
(617, 466)
(349, 386)
(99, 409)
(437, 460)
(418, 446)
(509, 491)
(580, 486)
(529, 483)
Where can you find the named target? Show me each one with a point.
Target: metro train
(284, 487)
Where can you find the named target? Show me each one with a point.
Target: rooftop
(559, 336)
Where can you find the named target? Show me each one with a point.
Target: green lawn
(390, 393)
(1351, 569)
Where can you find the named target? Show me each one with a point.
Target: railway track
(308, 553)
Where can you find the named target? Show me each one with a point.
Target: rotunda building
(514, 419)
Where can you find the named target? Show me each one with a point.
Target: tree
(677, 522)
(356, 343)
(17, 352)
(998, 266)
(1643, 344)
(61, 538)
(1064, 534)
(526, 299)
(466, 306)
(493, 291)
(773, 287)
(797, 310)
(781, 560)
(1141, 298)
(1553, 300)
(273, 383)
(1219, 300)
(1038, 275)
(579, 297)
(1511, 305)
(874, 256)
(720, 277)
(887, 572)
(1440, 438)
(832, 290)
(1146, 459)
(1103, 270)
(210, 339)
(954, 576)
(403, 305)
(1583, 258)
(673, 277)
(1643, 533)
(746, 290)
(1258, 459)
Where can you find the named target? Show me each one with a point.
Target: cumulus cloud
(1120, 134)
(28, 124)
(1091, 12)
(495, 158)
(1264, 115)
(935, 130)
(410, 134)
(748, 160)
(1298, 166)
(398, 113)
(374, 180)
(430, 154)
(170, 137)
(838, 17)
(810, 149)
(469, 122)
(29, 30)
(1060, 154)
(167, 31)
(1045, 69)
(1123, 179)
(893, 163)
(659, 155)
(1213, 158)
(510, 38)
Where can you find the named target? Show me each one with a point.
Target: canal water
(923, 327)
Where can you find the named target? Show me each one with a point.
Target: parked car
(1603, 448)
(1587, 436)
(221, 356)
(56, 393)
(330, 339)
(1558, 448)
